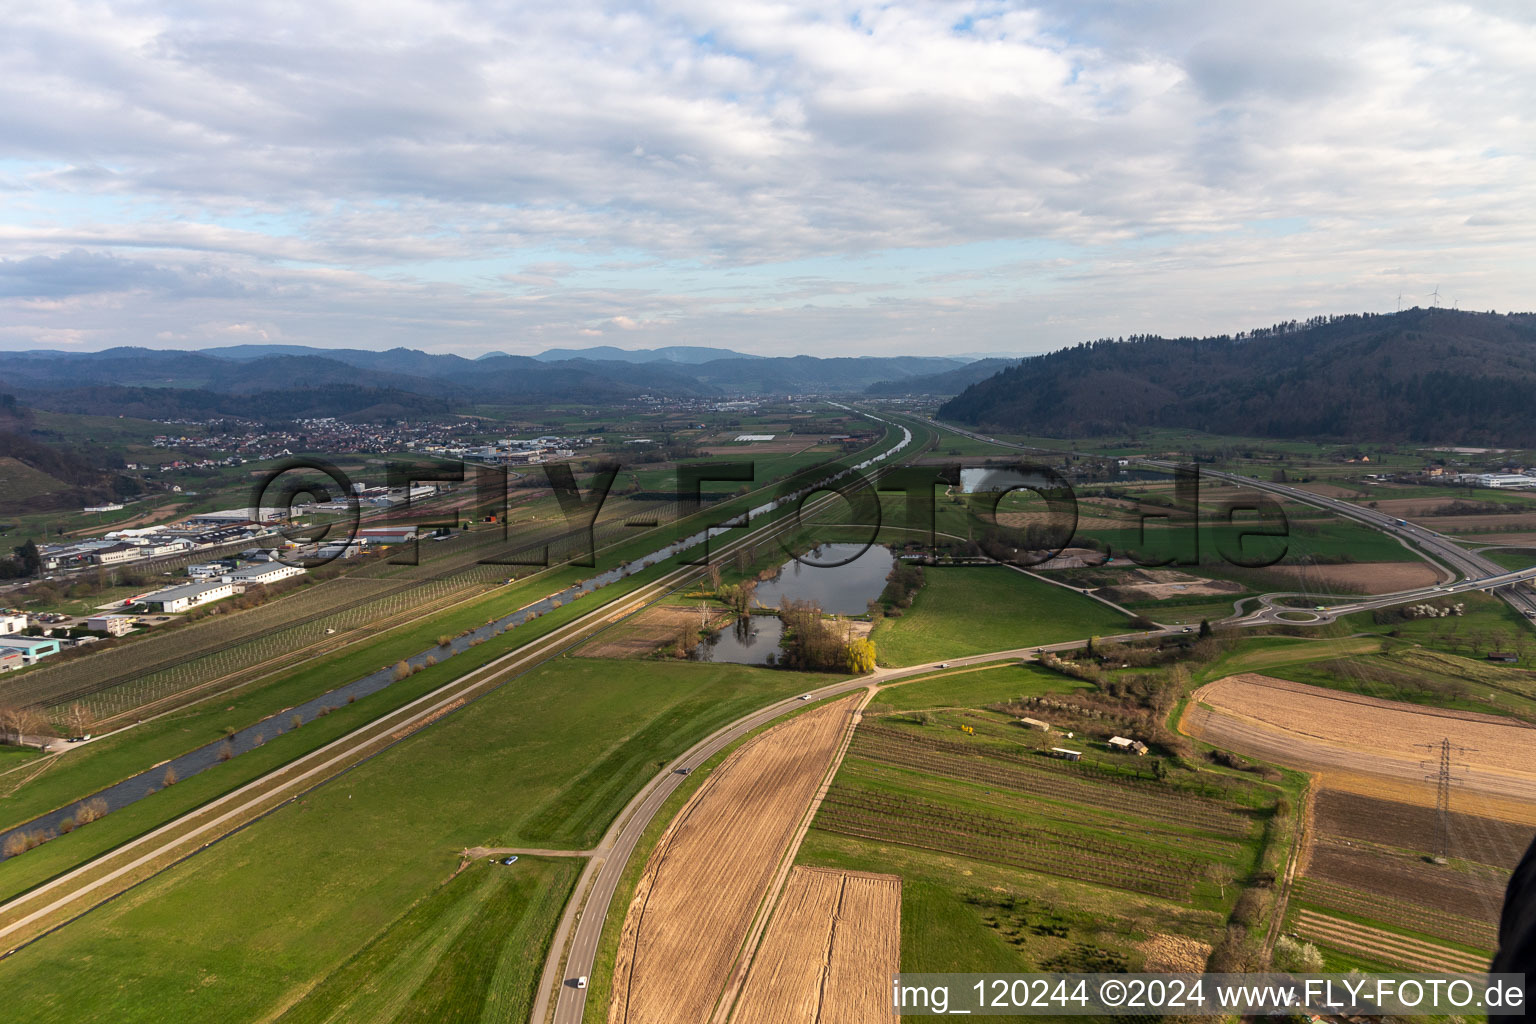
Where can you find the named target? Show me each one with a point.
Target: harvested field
(1389, 823)
(1174, 954)
(830, 952)
(642, 635)
(705, 880)
(1480, 934)
(1330, 490)
(1356, 578)
(1314, 728)
(1473, 890)
(1517, 540)
(1480, 523)
(1384, 945)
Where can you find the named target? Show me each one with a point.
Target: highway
(1479, 573)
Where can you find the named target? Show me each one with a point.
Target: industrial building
(387, 534)
(31, 648)
(179, 599)
(112, 625)
(268, 572)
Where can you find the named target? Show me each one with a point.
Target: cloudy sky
(916, 178)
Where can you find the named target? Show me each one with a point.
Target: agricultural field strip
(828, 955)
(1413, 952)
(936, 827)
(287, 782)
(253, 660)
(1333, 723)
(274, 656)
(1034, 774)
(695, 903)
(942, 785)
(770, 897)
(1324, 895)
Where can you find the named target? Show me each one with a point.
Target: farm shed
(1506, 657)
(1035, 723)
(1066, 755)
(1126, 745)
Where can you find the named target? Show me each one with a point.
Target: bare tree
(1222, 874)
(170, 778)
(80, 720)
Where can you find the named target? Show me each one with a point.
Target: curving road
(581, 926)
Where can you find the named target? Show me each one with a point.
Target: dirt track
(829, 954)
(706, 878)
(1313, 728)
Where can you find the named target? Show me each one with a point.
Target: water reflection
(843, 589)
(750, 640)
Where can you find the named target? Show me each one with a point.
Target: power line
(1442, 780)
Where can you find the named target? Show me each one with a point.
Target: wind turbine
(1399, 301)
(1435, 296)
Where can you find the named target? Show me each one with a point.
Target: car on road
(684, 771)
(510, 860)
(1187, 629)
(943, 664)
(804, 696)
(581, 982)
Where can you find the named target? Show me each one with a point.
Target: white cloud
(475, 176)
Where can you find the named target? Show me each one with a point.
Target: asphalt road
(601, 878)
(1480, 573)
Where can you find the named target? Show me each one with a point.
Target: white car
(581, 982)
(804, 696)
(943, 664)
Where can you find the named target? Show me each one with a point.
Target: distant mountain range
(949, 382)
(691, 354)
(285, 381)
(1419, 375)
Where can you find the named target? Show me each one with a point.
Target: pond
(750, 640)
(844, 589)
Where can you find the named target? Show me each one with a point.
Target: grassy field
(471, 951)
(252, 923)
(972, 610)
(1487, 624)
(975, 687)
(1511, 558)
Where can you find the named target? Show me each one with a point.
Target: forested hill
(1420, 375)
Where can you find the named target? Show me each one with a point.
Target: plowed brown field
(830, 952)
(1356, 578)
(1311, 727)
(707, 876)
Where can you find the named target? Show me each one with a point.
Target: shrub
(296, 721)
(91, 810)
(170, 778)
(1295, 957)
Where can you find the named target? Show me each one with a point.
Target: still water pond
(843, 589)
